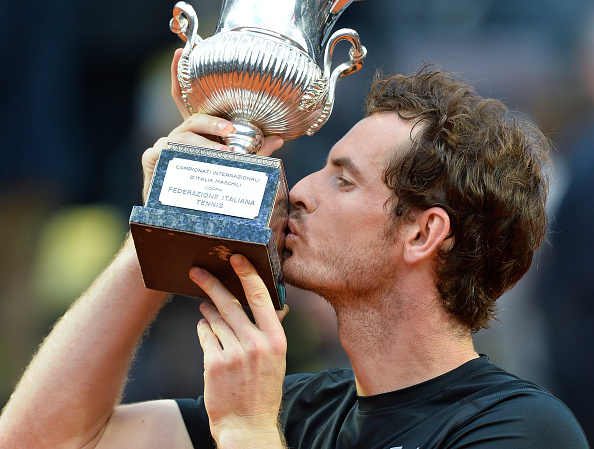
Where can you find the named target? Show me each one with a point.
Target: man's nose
(301, 195)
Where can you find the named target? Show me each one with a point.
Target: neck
(393, 347)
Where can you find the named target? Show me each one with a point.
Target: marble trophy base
(205, 205)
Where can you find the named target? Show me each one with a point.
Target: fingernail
(237, 260)
(221, 126)
(197, 273)
(205, 305)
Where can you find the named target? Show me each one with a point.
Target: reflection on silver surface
(267, 68)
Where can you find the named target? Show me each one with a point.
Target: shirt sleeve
(196, 421)
(532, 420)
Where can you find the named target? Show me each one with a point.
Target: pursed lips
(292, 229)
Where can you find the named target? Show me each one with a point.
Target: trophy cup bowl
(268, 70)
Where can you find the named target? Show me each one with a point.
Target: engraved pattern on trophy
(267, 68)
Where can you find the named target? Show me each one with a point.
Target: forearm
(70, 388)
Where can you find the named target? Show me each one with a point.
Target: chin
(285, 262)
(290, 271)
(295, 275)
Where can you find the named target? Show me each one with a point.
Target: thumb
(281, 314)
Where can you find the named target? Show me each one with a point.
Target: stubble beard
(349, 278)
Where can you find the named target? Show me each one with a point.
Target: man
(425, 213)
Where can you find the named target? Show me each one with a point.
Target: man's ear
(425, 234)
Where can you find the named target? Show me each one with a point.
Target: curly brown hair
(486, 167)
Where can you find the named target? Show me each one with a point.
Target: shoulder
(542, 417)
(518, 413)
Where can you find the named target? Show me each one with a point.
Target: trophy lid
(307, 23)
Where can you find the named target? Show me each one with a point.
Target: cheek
(362, 218)
(347, 219)
(335, 222)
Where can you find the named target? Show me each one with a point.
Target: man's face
(337, 241)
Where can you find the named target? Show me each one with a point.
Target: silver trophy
(268, 70)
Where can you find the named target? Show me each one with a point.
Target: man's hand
(198, 129)
(244, 363)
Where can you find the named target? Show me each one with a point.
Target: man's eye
(343, 182)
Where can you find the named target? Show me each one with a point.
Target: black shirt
(477, 405)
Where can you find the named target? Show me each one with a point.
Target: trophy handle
(326, 86)
(357, 54)
(339, 6)
(185, 24)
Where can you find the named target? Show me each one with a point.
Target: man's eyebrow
(347, 162)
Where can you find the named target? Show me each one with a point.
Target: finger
(281, 314)
(176, 91)
(151, 155)
(204, 124)
(270, 145)
(256, 293)
(218, 325)
(149, 161)
(208, 340)
(227, 305)
(190, 138)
